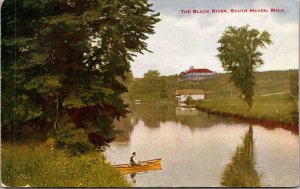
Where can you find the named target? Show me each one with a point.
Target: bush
(75, 140)
(189, 100)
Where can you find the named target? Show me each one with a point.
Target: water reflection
(155, 114)
(133, 177)
(241, 172)
(200, 150)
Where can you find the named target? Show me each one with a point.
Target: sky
(184, 40)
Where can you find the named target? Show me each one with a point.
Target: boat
(149, 165)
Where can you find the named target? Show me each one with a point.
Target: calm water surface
(202, 150)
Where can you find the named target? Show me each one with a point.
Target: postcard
(149, 93)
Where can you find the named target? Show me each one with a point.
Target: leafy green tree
(294, 86)
(61, 64)
(240, 56)
(151, 86)
(152, 81)
(189, 100)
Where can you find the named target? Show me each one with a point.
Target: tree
(61, 64)
(240, 56)
(151, 81)
(155, 83)
(151, 87)
(189, 100)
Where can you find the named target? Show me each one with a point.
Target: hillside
(217, 87)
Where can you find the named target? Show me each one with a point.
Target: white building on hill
(197, 74)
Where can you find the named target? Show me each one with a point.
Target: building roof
(190, 92)
(198, 71)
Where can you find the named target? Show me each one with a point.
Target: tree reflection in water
(153, 114)
(241, 172)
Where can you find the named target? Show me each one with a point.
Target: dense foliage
(152, 86)
(240, 57)
(63, 62)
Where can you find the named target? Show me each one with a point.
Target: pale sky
(184, 40)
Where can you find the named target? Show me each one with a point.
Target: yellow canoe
(148, 165)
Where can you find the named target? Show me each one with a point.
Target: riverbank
(40, 165)
(277, 110)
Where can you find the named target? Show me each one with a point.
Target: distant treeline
(155, 87)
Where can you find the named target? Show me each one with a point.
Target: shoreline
(268, 124)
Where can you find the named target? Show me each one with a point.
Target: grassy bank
(276, 107)
(43, 166)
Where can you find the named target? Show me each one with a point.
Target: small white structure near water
(195, 94)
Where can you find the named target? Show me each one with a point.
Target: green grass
(44, 166)
(277, 107)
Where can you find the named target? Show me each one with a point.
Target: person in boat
(133, 161)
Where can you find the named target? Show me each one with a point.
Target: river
(202, 150)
